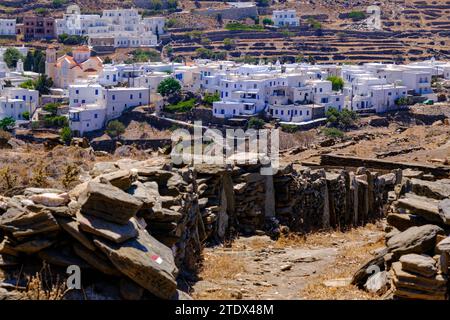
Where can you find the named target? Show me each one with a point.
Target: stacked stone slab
(313, 199)
(417, 244)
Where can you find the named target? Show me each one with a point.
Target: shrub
(29, 84)
(6, 123)
(182, 106)
(255, 123)
(209, 99)
(341, 119)
(66, 135)
(267, 21)
(237, 26)
(336, 82)
(357, 15)
(26, 115)
(333, 132)
(115, 128)
(291, 128)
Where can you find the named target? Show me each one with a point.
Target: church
(69, 68)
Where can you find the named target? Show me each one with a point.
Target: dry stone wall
(141, 226)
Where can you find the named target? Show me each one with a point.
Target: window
(77, 91)
(140, 95)
(114, 97)
(131, 97)
(96, 92)
(95, 116)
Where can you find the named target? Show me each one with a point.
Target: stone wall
(140, 226)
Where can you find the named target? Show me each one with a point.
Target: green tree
(255, 123)
(336, 82)
(26, 115)
(6, 123)
(341, 119)
(228, 43)
(107, 60)
(66, 135)
(156, 5)
(43, 84)
(115, 128)
(52, 108)
(168, 86)
(11, 56)
(267, 21)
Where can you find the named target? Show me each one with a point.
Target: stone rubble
(418, 242)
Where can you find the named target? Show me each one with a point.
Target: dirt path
(316, 267)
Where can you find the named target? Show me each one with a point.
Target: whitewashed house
(285, 18)
(91, 105)
(7, 27)
(15, 101)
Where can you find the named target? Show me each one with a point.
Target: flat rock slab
(432, 189)
(421, 206)
(414, 240)
(403, 221)
(24, 223)
(96, 260)
(444, 210)
(108, 202)
(419, 264)
(121, 179)
(117, 233)
(51, 199)
(413, 281)
(33, 246)
(149, 196)
(73, 228)
(444, 245)
(145, 261)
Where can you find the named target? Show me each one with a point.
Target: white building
(285, 18)
(91, 105)
(120, 28)
(15, 101)
(7, 27)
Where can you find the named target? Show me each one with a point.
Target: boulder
(414, 240)
(444, 245)
(121, 179)
(432, 189)
(149, 196)
(145, 261)
(444, 210)
(419, 264)
(108, 202)
(404, 221)
(117, 233)
(166, 215)
(23, 223)
(421, 206)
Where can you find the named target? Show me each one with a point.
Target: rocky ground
(318, 266)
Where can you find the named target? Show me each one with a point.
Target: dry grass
(351, 257)
(221, 266)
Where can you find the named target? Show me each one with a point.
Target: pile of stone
(130, 221)
(417, 240)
